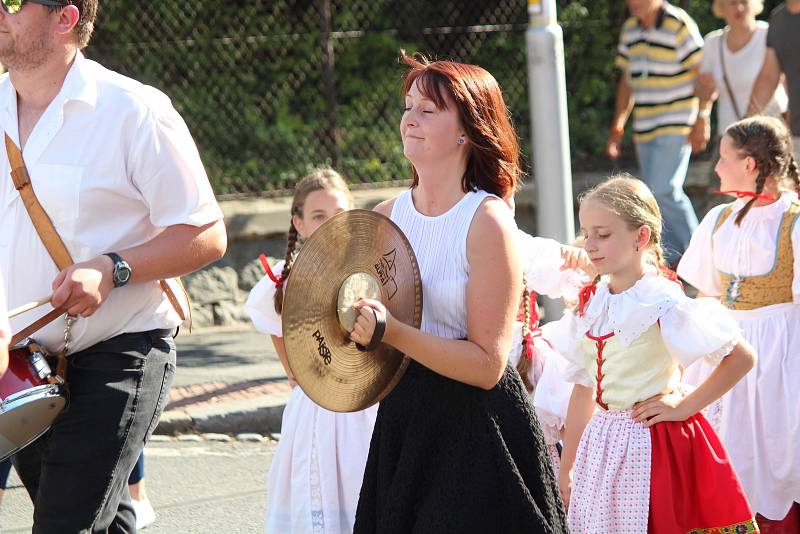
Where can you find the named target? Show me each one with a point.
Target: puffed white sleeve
(260, 305)
(553, 391)
(541, 263)
(699, 328)
(565, 335)
(697, 265)
(796, 249)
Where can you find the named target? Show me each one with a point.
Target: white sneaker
(145, 515)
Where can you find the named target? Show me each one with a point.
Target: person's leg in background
(663, 162)
(5, 471)
(145, 515)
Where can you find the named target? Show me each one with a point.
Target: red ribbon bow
(584, 296)
(278, 280)
(746, 194)
(528, 344)
(671, 275)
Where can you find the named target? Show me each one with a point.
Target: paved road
(201, 487)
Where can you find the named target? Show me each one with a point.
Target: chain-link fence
(271, 89)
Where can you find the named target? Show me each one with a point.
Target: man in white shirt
(116, 170)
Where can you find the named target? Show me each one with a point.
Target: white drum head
(25, 417)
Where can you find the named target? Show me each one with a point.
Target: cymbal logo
(386, 272)
(322, 347)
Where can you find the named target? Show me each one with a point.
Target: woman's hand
(565, 485)
(666, 407)
(364, 326)
(576, 258)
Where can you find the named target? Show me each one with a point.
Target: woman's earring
(461, 141)
(637, 248)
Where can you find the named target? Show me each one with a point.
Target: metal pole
(329, 85)
(550, 132)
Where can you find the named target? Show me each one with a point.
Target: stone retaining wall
(218, 292)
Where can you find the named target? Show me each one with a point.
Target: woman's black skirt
(447, 457)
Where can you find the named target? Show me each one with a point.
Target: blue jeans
(663, 162)
(137, 474)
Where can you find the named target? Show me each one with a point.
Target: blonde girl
(636, 458)
(315, 475)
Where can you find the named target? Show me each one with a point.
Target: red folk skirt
(693, 487)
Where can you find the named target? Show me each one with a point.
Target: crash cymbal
(355, 254)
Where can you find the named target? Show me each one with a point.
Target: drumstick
(29, 306)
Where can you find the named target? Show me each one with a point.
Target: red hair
(493, 161)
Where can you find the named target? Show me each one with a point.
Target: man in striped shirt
(659, 53)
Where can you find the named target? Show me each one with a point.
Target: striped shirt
(661, 62)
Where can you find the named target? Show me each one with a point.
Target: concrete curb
(261, 414)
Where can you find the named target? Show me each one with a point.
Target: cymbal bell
(355, 254)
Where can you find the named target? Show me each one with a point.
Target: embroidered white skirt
(316, 473)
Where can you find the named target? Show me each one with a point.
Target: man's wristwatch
(122, 271)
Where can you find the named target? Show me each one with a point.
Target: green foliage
(249, 77)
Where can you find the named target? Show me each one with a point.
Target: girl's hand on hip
(666, 407)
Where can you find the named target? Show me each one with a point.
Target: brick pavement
(196, 395)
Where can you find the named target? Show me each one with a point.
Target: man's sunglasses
(13, 6)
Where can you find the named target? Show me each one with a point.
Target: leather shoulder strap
(734, 104)
(44, 226)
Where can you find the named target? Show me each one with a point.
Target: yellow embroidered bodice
(623, 376)
(774, 287)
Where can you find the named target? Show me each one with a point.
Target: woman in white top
(456, 446)
(315, 475)
(736, 52)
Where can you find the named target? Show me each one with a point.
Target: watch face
(123, 274)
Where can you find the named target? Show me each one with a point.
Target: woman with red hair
(456, 446)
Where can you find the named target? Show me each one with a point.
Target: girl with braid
(316, 473)
(747, 254)
(637, 458)
(555, 271)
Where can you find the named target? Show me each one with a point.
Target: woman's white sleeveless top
(440, 244)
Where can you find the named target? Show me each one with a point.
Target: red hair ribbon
(746, 194)
(533, 325)
(670, 275)
(528, 342)
(277, 279)
(584, 296)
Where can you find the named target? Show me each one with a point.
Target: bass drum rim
(53, 393)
